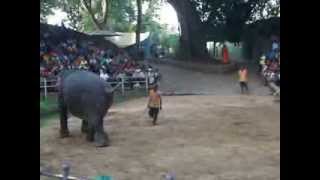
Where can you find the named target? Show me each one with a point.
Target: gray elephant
(87, 97)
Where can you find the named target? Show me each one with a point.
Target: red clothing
(225, 55)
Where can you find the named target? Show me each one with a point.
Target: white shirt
(151, 79)
(109, 60)
(135, 75)
(275, 46)
(93, 61)
(104, 76)
(141, 75)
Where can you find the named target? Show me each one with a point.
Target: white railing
(44, 84)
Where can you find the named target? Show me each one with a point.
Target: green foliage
(46, 7)
(122, 16)
(168, 41)
(48, 109)
(87, 23)
(73, 10)
(226, 18)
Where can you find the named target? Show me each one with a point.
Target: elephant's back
(84, 92)
(83, 80)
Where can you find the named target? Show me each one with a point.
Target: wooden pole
(122, 85)
(214, 49)
(147, 85)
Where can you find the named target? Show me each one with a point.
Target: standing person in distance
(243, 79)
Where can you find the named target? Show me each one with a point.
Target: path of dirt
(179, 79)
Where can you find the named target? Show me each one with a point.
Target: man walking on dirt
(243, 79)
(154, 104)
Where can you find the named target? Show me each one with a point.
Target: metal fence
(122, 84)
(66, 174)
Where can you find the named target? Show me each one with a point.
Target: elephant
(86, 96)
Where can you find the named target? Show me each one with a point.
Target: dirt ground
(221, 137)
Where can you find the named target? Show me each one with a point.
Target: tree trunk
(138, 25)
(105, 11)
(214, 49)
(192, 40)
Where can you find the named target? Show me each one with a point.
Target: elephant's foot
(64, 133)
(101, 140)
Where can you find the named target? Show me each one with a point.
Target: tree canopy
(200, 20)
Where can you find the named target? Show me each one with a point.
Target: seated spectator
(157, 75)
(104, 62)
(46, 57)
(151, 77)
(141, 75)
(261, 63)
(138, 74)
(78, 60)
(273, 66)
(84, 64)
(275, 46)
(104, 75)
(110, 59)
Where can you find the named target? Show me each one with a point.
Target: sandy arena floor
(198, 137)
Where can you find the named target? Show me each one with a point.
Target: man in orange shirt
(243, 79)
(154, 104)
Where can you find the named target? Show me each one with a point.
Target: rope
(186, 93)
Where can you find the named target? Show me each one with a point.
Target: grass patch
(49, 106)
(48, 109)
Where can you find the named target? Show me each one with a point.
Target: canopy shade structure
(126, 39)
(103, 33)
(120, 39)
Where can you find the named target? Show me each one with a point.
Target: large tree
(192, 41)
(200, 20)
(138, 30)
(98, 11)
(219, 20)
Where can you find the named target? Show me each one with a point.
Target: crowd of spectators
(72, 53)
(270, 64)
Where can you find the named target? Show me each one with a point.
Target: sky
(167, 16)
(57, 17)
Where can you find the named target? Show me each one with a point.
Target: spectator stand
(63, 49)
